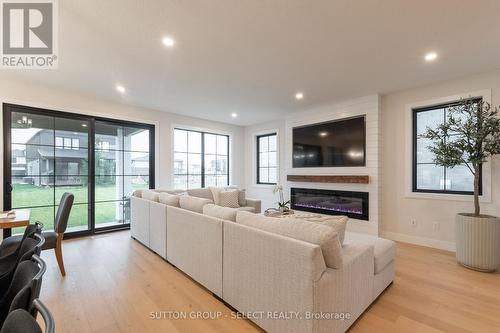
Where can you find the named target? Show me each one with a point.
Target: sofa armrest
(347, 291)
(256, 204)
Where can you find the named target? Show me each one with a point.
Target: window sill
(446, 196)
(266, 186)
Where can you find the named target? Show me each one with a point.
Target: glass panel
(180, 141)
(26, 160)
(430, 177)
(431, 119)
(210, 144)
(222, 181)
(132, 183)
(194, 163)
(263, 175)
(108, 213)
(110, 191)
(272, 159)
(424, 155)
(78, 218)
(264, 159)
(221, 165)
(194, 181)
(194, 142)
(44, 215)
(180, 163)
(136, 139)
(32, 191)
(222, 144)
(32, 129)
(272, 143)
(210, 180)
(105, 162)
(69, 162)
(210, 164)
(108, 136)
(459, 178)
(78, 185)
(136, 163)
(180, 182)
(263, 144)
(272, 175)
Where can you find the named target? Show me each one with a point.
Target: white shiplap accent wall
(368, 106)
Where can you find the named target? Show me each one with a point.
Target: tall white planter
(478, 242)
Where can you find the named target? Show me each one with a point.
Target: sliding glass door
(100, 161)
(122, 165)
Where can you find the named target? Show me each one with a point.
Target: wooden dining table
(21, 219)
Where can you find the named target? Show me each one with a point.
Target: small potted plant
(470, 136)
(284, 206)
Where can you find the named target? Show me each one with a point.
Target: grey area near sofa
(255, 270)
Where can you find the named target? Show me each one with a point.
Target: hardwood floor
(113, 284)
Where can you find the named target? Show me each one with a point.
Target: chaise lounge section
(281, 283)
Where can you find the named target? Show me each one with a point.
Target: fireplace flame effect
(334, 208)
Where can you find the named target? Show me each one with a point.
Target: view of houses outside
(50, 157)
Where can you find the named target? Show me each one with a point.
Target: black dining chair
(13, 243)
(8, 264)
(21, 321)
(53, 239)
(24, 288)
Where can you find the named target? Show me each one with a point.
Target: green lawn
(24, 195)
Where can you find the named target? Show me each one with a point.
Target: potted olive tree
(470, 136)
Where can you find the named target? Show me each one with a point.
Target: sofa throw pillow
(169, 199)
(150, 195)
(193, 204)
(229, 199)
(242, 198)
(306, 231)
(215, 194)
(338, 223)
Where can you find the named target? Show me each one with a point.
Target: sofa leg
(59, 256)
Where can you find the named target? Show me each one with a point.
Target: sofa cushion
(229, 199)
(299, 229)
(224, 213)
(215, 193)
(169, 199)
(150, 195)
(193, 204)
(338, 223)
(384, 249)
(201, 193)
(242, 195)
(246, 209)
(137, 193)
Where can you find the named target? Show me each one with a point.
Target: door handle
(8, 188)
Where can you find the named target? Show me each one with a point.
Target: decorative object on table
(283, 206)
(470, 136)
(273, 212)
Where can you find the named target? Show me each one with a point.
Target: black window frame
(417, 110)
(258, 137)
(202, 153)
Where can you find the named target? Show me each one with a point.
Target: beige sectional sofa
(280, 283)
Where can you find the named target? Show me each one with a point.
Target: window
(428, 176)
(200, 159)
(267, 156)
(75, 144)
(59, 142)
(67, 143)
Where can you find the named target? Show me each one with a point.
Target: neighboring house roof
(62, 153)
(144, 158)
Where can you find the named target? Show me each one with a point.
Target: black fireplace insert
(331, 202)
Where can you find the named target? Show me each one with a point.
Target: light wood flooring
(113, 283)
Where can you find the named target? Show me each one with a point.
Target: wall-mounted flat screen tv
(339, 143)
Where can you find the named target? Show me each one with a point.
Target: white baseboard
(430, 242)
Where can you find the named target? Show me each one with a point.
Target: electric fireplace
(352, 204)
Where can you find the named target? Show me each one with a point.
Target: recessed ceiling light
(431, 56)
(234, 115)
(323, 134)
(299, 95)
(121, 89)
(168, 41)
(84, 125)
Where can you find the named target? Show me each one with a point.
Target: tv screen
(339, 143)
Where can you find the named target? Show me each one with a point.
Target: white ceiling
(251, 56)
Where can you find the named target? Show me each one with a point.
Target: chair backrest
(22, 321)
(24, 287)
(31, 245)
(31, 290)
(63, 212)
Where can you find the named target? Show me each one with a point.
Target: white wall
(398, 210)
(368, 106)
(25, 93)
